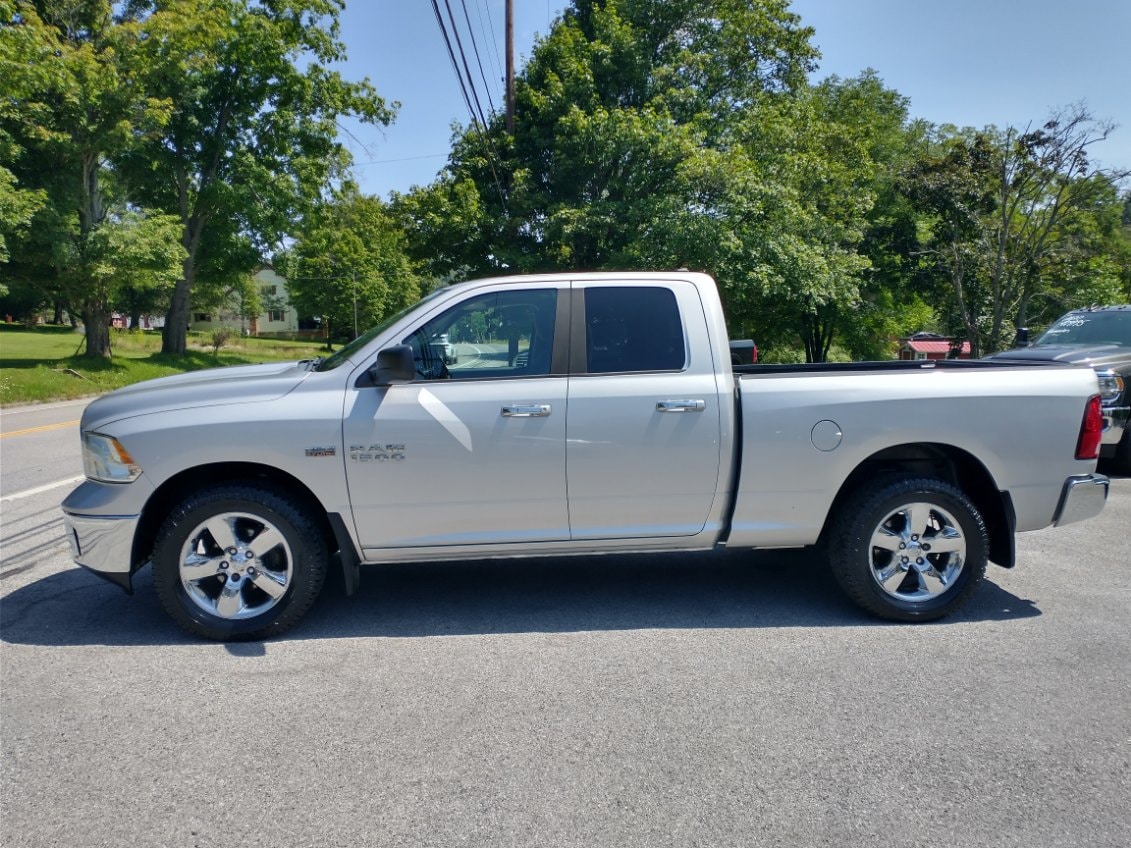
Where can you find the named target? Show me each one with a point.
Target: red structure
(931, 346)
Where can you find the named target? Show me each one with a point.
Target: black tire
(1121, 463)
(209, 578)
(876, 538)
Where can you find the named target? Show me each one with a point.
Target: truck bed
(806, 428)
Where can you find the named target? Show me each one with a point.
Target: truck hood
(1098, 356)
(210, 387)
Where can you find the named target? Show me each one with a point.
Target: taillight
(1091, 430)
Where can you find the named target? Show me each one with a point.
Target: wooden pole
(510, 67)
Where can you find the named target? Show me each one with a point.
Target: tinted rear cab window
(633, 328)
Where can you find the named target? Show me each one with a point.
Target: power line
(477, 126)
(508, 96)
(401, 159)
(475, 48)
(497, 63)
(451, 55)
(466, 68)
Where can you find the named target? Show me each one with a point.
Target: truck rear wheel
(909, 549)
(238, 561)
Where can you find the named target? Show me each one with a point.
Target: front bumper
(1083, 497)
(1115, 422)
(103, 544)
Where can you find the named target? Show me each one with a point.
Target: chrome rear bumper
(1083, 497)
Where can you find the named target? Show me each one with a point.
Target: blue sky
(965, 62)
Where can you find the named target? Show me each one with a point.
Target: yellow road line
(40, 429)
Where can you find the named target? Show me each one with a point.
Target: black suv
(1099, 336)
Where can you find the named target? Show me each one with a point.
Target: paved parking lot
(663, 700)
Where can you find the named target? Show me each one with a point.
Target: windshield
(1111, 327)
(345, 353)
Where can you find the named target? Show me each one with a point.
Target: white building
(279, 317)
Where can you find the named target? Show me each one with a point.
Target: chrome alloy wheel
(917, 552)
(236, 565)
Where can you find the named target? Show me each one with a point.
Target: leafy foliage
(252, 140)
(664, 135)
(79, 105)
(153, 152)
(1019, 223)
(350, 265)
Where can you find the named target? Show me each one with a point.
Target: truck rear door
(643, 435)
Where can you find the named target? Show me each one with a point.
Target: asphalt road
(39, 444)
(663, 700)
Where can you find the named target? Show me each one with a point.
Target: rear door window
(631, 329)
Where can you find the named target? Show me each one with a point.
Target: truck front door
(473, 451)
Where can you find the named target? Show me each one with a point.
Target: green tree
(951, 185)
(17, 208)
(1020, 222)
(1121, 251)
(349, 264)
(830, 149)
(678, 134)
(1087, 257)
(252, 140)
(19, 52)
(620, 155)
(129, 252)
(78, 104)
(874, 138)
(1044, 178)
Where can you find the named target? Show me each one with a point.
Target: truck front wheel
(238, 561)
(909, 549)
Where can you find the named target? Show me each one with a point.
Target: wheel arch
(949, 463)
(176, 488)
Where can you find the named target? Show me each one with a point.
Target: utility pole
(510, 67)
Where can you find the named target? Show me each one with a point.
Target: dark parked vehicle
(1099, 336)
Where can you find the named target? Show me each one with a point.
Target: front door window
(495, 335)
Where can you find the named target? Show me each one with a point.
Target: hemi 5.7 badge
(322, 451)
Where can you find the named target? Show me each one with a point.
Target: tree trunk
(174, 335)
(817, 332)
(96, 319)
(57, 312)
(958, 281)
(810, 337)
(1032, 281)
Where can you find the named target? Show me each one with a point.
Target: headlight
(104, 459)
(1111, 385)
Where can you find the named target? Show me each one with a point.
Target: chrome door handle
(527, 410)
(681, 405)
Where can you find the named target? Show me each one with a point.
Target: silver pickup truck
(576, 413)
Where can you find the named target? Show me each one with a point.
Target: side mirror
(394, 365)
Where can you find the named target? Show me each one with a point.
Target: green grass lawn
(47, 363)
